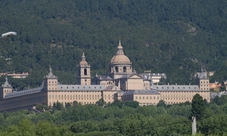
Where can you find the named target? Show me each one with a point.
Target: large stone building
(121, 83)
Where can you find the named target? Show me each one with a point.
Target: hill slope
(168, 36)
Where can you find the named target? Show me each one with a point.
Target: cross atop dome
(120, 58)
(83, 57)
(120, 48)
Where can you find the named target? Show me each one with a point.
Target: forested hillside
(168, 36)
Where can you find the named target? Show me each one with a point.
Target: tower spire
(6, 84)
(83, 61)
(83, 57)
(119, 41)
(50, 74)
(120, 48)
(84, 76)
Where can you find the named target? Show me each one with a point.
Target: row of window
(78, 92)
(75, 95)
(80, 87)
(180, 96)
(171, 92)
(64, 103)
(204, 88)
(177, 98)
(184, 96)
(108, 97)
(64, 98)
(8, 91)
(52, 82)
(178, 87)
(124, 69)
(139, 97)
(203, 82)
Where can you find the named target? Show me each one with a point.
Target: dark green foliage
(213, 125)
(222, 88)
(114, 121)
(96, 133)
(198, 107)
(167, 36)
(57, 106)
(41, 107)
(161, 103)
(220, 100)
(133, 104)
(68, 105)
(120, 104)
(101, 102)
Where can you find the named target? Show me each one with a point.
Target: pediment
(135, 76)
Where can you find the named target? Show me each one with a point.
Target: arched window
(124, 69)
(116, 69)
(85, 71)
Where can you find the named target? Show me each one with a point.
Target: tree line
(119, 118)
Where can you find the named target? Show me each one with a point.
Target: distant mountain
(169, 36)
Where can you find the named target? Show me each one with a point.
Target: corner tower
(50, 81)
(6, 88)
(84, 74)
(120, 63)
(203, 81)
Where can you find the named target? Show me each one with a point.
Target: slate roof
(24, 92)
(81, 87)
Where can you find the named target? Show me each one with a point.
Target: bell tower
(84, 74)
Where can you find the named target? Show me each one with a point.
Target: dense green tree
(133, 104)
(177, 110)
(57, 106)
(41, 107)
(220, 100)
(26, 128)
(101, 102)
(198, 107)
(68, 105)
(93, 119)
(46, 128)
(161, 103)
